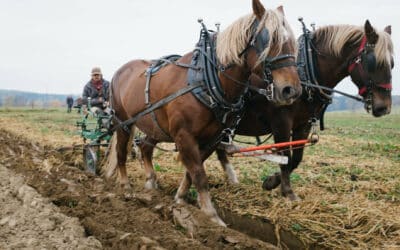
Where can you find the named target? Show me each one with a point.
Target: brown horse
(339, 51)
(252, 44)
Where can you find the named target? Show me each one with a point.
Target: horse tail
(110, 163)
(111, 92)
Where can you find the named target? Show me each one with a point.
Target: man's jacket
(91, 91)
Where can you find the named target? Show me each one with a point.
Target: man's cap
(96, 71)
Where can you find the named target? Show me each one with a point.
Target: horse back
(129, 98)
(129, 82)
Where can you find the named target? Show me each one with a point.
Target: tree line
(14, 98)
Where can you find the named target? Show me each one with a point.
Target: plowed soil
(48, 202)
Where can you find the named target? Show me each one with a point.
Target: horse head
(371, 69)
(267, 47)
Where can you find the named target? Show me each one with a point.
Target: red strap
(362, 91)
(360, 49)
(362, 45)
(387, 86)
(352, 66)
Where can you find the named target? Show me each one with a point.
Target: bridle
(259, 40)
(365, 62)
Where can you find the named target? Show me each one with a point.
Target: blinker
(261, 39)
(371, 61)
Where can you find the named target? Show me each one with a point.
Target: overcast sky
(50, 46)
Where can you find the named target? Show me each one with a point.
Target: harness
(308, 72)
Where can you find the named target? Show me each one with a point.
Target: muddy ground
(46, 201)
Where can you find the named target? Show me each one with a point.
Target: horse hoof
(126, 186)
(292, 196)
(218, 220)
(179, 200)
(271, 182)
(150, 185)
(233, 181)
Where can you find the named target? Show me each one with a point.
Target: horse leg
(274, 180)
(191, 157)
(286, 188)
(226, 166)
(282, 178)
(183, 188)
(296, 158)
(147, 149)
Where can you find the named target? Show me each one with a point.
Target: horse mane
(236, 36)
(336, 37)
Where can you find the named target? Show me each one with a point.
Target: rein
(357, 98)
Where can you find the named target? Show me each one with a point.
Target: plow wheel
(90, 158)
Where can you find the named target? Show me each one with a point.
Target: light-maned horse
(362, 53)
(241, 49)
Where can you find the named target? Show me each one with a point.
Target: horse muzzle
(380, 110)
(287, 94)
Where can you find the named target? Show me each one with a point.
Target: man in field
(95, 93)
(96, 90)
(70, 102)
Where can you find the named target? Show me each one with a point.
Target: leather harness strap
(155, 106)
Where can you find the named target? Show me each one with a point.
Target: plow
(94, 129)
(269, 152)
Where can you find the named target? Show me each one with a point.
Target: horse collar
(205, 71)
(307, 68)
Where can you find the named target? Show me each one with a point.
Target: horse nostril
(380, 111)
(288, 92)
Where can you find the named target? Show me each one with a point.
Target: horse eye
(392, 63)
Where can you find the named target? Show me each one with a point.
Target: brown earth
(48, 202)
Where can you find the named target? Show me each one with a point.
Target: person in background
(70, 102)
(97, 90)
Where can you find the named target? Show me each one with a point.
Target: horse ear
(280, 9)
(388, 29)
(258, 9)
(370, 33)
